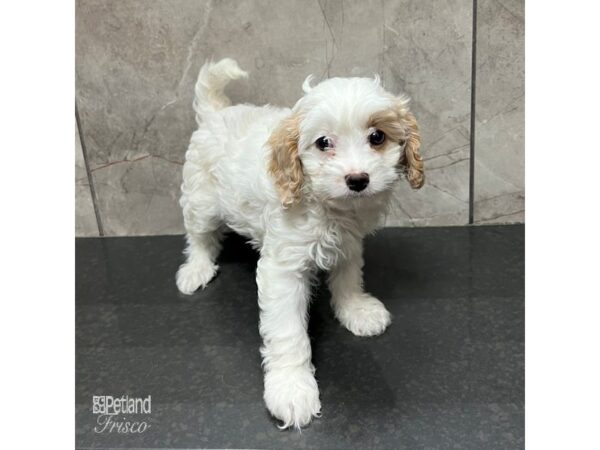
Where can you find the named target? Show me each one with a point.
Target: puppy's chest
(332, 241)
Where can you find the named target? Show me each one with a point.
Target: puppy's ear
(284, 162)
(411, 160)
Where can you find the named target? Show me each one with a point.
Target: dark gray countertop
(448, 373)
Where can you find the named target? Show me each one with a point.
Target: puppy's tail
(212, 80)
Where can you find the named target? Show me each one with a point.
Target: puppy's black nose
(357, 181)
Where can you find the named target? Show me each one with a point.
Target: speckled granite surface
(448, 373)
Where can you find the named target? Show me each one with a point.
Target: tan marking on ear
(400, 126)
(284, 163)
(411, 158)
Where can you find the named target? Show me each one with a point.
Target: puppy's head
(347, 138)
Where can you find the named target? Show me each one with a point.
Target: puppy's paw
(292, 396)
(363, 315)
(191, 276)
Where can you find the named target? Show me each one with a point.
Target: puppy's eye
(324, 143)
(377, 137)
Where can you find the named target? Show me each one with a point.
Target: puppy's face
(347, 138)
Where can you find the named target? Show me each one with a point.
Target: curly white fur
(227, 184)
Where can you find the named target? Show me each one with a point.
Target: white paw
(292, 396)
(192, 276)
(363, 315)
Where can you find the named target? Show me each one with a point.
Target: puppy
(304, 185)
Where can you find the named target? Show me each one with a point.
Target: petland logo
(112, 410)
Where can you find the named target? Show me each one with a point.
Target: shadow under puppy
(304, 185)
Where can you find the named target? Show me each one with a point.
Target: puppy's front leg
(358, 311)
(291, 392)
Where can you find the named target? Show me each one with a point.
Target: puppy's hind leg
(201, 252)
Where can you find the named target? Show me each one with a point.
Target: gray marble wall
(85, 218)
(137, 60)
(500, 113)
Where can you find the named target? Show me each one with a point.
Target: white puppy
(305, 185)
